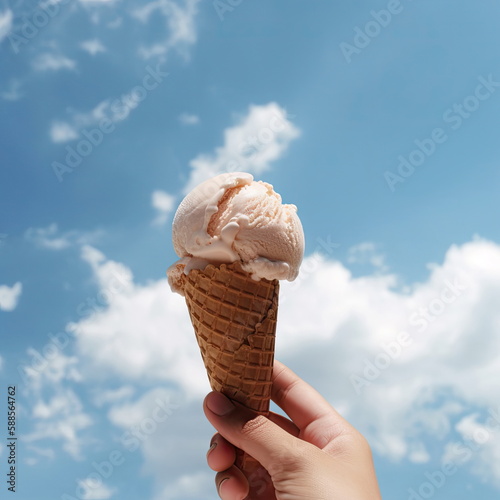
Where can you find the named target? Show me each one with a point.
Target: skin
(314, 455)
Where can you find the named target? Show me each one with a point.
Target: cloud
(55, 406)
(57, 413)
(93, 46)
(40, 371)
(9, 296)
(189, 119)
(93, 491)
(403, 365)
(109, 341)
(110, 110)
(41, 454)
(6, 19)
(366, 253)
(158, 423)
(164, 205)
(53, 62)
(180, 26)
(52, 239)
(62, 132)
(259, 138)
(97, 2)
(478, 447)
(188, 486)
(110, 276)
(105, 397)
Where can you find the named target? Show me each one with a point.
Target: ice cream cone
(233, 219)
(234, 317)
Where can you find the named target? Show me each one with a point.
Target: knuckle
(288, 461)
(254, 428)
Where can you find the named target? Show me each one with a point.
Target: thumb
(255, 434)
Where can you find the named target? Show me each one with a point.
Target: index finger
(301, 402)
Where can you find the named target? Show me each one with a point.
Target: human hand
(317, 455)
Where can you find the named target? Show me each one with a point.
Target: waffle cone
(234, 318)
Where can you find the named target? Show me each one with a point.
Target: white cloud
(165, 349)
(52, 239)
(159, 423)
(55, 406)
(40, 452)
(367, 253)
(260, 137)
(446, 365)
(189, 119)
(6, 18)
(180, 26)
(484, 444)
(164, 205)
(39, 371)
(109, 110)
(9, 296)
(97, 2)
(419, 454)
(93, 491)
(188, 486)
(105, 397)
(62, 132)
(53, 62)
(57, 413)
(111, 277)
(157, 403)
(93, 46)
(59, 418)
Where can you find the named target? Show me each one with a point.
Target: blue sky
(379, 120)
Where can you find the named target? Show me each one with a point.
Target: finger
(231, 484)
(297, 398)
(257, 435)
(221, 454)
(285, 423)
(310, 412)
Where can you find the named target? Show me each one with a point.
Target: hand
(317, 455)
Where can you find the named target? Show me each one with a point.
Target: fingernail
(219, 490)
(212, 448)
(219, 404)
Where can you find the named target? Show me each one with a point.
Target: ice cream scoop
(232, 218)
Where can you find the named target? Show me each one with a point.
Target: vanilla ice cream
(232, 218)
